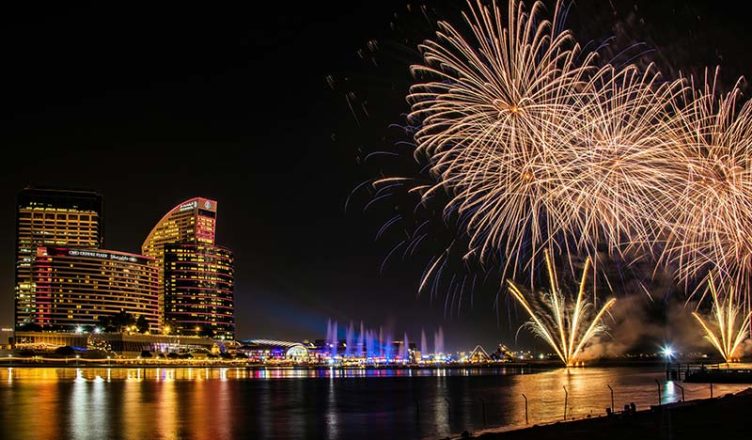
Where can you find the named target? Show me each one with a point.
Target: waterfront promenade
(726, 416)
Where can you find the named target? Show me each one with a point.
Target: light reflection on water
(215, 404)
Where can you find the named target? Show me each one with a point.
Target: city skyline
(101, 250)
(182, 283)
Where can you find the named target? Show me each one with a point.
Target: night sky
(153, 104)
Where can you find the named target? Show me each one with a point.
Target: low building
(6, 338)
(124, 344)
(267, 349)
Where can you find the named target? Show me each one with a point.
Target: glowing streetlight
(668, 352)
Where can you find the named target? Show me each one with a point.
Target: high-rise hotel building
(50, 217)
(195, 276)
(198, 289)
(76, 287)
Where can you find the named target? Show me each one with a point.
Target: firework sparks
(729, 324)
(493, 113)
(711, 225)
(536, 145)
(623, 168)
(567, 327)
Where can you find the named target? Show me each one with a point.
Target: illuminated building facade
(75, 287)
(192, 221)
(50, 217)
(195, 277)
(198, 285)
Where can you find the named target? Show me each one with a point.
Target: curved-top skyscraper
(206, 307)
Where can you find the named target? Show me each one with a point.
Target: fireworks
(494, 113)
(623, 167)
(538, 147)
(712, 222)
(730, 324)
(567, 327)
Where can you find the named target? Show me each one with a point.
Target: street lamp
(668, 352)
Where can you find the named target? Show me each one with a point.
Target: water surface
(225, 403)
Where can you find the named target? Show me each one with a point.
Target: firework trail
(711, 223)
(531, 146)
(624, 166)
(730, 324)
(494, 113)
(538, 147)
(565, 325)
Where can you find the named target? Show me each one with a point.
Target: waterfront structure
(198, 289)
(78, 287)
(50, 217)
(6, 337)
(128, 345)
(268, 349)
(195, 277)
(192, 221)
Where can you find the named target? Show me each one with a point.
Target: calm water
(196, 403)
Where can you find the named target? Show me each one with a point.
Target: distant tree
(105, 323)
(66, 351)
(95, 354)
(142, 324)
(170, 327)
(29, 327)
(207, 332)
(97, 342)
(121, 321)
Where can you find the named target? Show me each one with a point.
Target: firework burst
(730, 324)
(566, 325)
(711, 221)
(623, 167)
(529, 144)
(537, 146)
(494, 112)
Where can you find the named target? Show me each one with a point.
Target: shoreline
(725, 415)
(133, 363)
(70, 362)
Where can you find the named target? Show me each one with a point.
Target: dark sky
(153, 104)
